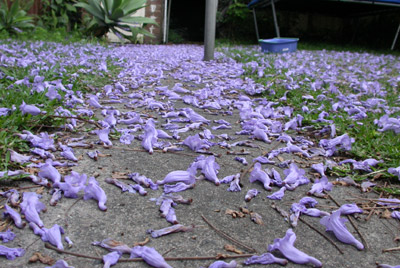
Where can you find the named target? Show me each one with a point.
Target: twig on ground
(66, 212)
(351, 221)
(373, 209)
(78, 118)
(227, 236)
(216, 257)
(391, 249)
(322, 234)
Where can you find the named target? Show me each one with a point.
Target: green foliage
(13, 19)
(116, 16)
(59, 14)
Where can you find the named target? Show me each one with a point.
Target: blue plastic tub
(278, 45)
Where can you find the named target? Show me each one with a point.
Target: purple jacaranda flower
(366, 185)
(143, 180)
(150, 256)
(195, 117)
(4, 111)
(364, 165)
(169, 230)
(387, 266)
(395, 171)
(47, 171)
(12, 196)
(337, 225)
(15, 216)
(94, 102)
(19, 158)
(56, 196)
(171, 216)
(166, 205)
(178, 187)
(257, 174)
(103, 136)
(7, 236)
(348, 209)
(395, 215)
(53, 236)
(139, 189)
(251, 194)
(195, 143)
(94, 191)
(292, 124)
(276, 177)
(185, 176)
(389, 202)
(67, 152)
(319, 186)
(291, 148)
(42, 153)
(52, 93)
(227, 179)
(124, 187)
(263, 160)
(60, 264)
(320, 168)
(210, 169)
(31, 207)
(333, 145)
(111, 259)
(388, 123)
(150, 136)
(73, 184)
(69, 241)
(11, 253)
(94, 154)
(286, 246)
(29, 109)
(308, 201)
(266, 258)
(235, 184)
(314, 212)
(113, 245)
(241, 160)
(222, 264)
(278, 195)
(260, 134)
(36, 229)
(294, 176)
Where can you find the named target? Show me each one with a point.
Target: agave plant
(116, 16)
(13, 19)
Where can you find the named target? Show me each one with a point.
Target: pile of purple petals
(216, 87)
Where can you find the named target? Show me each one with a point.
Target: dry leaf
(234, 213)
(40, 190)
(280, 158)
(232, 248)
(119, 175)
(256, 218)
(37, 256)
(142, 243)
(386, 214)
(245, 210)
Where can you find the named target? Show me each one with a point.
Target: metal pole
(168, 19)
(255, 23)
(275, 20)
(165, 23)
(395, 37)
(209, 29)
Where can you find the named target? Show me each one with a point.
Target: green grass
(369, 143)
(12, 95)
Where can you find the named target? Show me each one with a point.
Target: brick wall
(155, 10)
